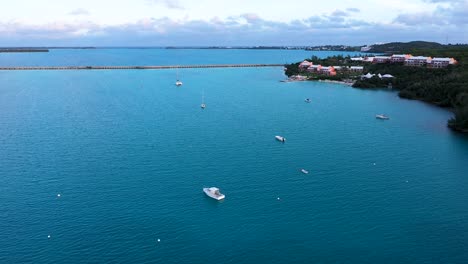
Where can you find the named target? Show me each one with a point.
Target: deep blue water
(130, 153)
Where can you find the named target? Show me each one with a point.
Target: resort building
(304, 65)
(381, 59)
(356, 68)
(329, 71)
(417, 61)
(357, 59)
(399, 57)
(314, 68)
(441, 62)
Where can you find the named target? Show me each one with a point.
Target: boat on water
(203, 105)
(178, 82)
(304, 171)
(280, 138)
(308, 100)
(214, 193)
(382, 116)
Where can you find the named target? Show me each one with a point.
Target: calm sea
(129, 154)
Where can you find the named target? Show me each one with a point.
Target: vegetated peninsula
(419, 70)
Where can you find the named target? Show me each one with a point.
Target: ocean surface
(97, 166)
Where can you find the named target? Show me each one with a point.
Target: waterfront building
(417, 61)
(356, 68)
(441, 62)
(381, 59)
(399, 57)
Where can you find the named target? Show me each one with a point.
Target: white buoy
(58, 195)
(278, 198)
(374, 163)
(48, 236)
(159, 240)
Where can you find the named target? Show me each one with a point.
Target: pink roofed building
(305, 64)
(399, 57)
(440, 62)
(381, 59)
(417, 61)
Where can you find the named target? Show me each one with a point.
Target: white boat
(203, 105)
(178, 82)
(382, 116)
(308, 100)
(214, 193)
(280, 138)
(304, 171)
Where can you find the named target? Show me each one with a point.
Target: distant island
(6, 50)
(425, 71)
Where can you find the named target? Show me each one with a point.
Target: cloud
(79, 12)
(244, 29)
(353, 9)
(453, 15)
(339, 13)
(171, 4)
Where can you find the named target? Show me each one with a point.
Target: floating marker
(48, 236)
(159, 240)
(374, 163)
(58, 195)
(278, 198)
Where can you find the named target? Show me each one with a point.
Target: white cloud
(171, 4)
(79, 12)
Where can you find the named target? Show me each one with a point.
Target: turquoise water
(129, 154)
(132, 56)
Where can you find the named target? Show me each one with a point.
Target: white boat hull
(217, 196)
(280, 138)
(383, 117)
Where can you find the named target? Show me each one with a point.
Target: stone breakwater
(20, 68)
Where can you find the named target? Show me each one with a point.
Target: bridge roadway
(162, 67)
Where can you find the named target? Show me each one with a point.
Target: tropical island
(438, 75)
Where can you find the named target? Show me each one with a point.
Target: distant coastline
(14, 50)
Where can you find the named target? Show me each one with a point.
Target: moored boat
(280, 138)
(304, 171)
(214, 193)
(382, 116)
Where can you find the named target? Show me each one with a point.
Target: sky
(229, 22)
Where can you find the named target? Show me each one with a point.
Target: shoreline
(337, 82)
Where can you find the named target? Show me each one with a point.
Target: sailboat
(203, 105)
(178, 82)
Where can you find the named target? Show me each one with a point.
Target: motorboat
(280, 138)
(304, 171)
(214, 193)
(382, 116)
(308, 100)
(178, 83)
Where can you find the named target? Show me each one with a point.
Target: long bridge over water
(161, 67)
